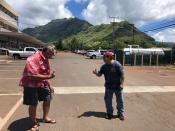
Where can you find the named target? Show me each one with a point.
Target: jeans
(119, 99)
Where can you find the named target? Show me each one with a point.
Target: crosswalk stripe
(127, 89)
(101, 89)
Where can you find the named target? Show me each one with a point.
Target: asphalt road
(153, 111)
(76, 71)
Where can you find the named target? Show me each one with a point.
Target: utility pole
(133, 34)
(113, 26)
(113, 34)
(133, 39)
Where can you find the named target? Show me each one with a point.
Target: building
(10, 38)
(15, 40)
(8, 17)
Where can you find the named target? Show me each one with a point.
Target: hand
(95, 72)
(52, 75)
(122, 85)
(52, 90)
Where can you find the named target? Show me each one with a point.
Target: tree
(59, 44)
(75, 44)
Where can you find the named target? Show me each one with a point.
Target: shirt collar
(42, 56)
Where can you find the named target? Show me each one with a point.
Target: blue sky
(77, 8)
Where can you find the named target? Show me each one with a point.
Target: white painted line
(128, 89)
(18, 94)
(0, 119)
(10, 113)
(8, 78)
(11, 66)
(10, 70)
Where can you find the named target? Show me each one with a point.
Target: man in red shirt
(36, 83)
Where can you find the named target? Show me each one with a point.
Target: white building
(8, 18)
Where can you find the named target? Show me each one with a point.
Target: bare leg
(46, 108)
(32, 113)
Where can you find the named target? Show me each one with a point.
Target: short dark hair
(47, 48)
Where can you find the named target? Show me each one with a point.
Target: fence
(146, 59)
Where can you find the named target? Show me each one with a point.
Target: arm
(122, 78)
(50, 87)
(100, 72)
(40, 77)
(97, 73)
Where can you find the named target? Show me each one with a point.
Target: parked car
(89, 51)
(83, 52)
(4, 51)
(40, 49)
(23, 53)
(96, 54)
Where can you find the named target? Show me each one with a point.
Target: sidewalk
(86, 112)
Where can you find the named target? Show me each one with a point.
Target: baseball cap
(109, 54)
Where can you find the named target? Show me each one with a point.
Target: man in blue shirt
(114, 79)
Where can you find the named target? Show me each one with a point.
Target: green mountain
(58, 29)
(115, 35)
(74, 33)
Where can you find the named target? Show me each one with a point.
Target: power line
(159, 28)
(161, 24)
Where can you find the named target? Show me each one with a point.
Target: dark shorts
(33, 95)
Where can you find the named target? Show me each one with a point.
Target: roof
(7, 6)
(22, 37)
(159, 51)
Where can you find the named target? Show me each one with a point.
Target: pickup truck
(23, 53)
(96, 54)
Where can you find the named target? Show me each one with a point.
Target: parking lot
(78, 102)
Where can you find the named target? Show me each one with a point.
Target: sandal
(35, 127)
(49, 121)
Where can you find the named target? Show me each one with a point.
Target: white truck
(96, 54)
(24, 53)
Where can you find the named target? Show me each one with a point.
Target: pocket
(46, 90)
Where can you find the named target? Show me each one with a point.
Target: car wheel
(16, 56)
(93, 57)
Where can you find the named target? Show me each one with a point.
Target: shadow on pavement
(93, 113)
(20, 125)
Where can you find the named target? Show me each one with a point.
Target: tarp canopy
(157, 51)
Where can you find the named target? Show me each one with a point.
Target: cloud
(166, 35)
(135, 11)
(138, 12)
(79, 1)
(39, 12)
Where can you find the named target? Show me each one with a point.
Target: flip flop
(35, 127)
(49, 121)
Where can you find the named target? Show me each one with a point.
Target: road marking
(9, 78)
(127, 89)
(10, 113)
(10, 70)
(11, 66)
(0, 119)
(17, 94)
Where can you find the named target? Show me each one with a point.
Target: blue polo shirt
(112, 73)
